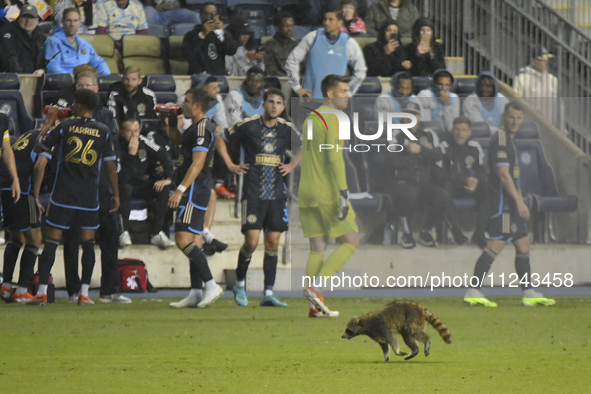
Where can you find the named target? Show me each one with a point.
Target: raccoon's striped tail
(439, 326)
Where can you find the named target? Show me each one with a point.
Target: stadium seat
(195, 5)
(143, 52)
(178, 64)
(464, 86)
(105, 47)
(105, 82)
(361, 199)
(12, 104)
(158, 31)
(363, 41)
(272, 82)
(528, 130)
(480, 130)
(299, 32)
(164, 87)
(39, 123)
(52, 86)
(148, 125)
(222, 83)
(420, 83)
(180, 29)
(371, 86)
(436, 126)
(251, 10)
(45, 27)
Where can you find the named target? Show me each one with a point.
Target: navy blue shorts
(22, 215)
(269, 215)
(64, 218)
(188, 217)
(507, 225)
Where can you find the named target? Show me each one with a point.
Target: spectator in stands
(464, 174)
(386, 56)
(280, 46)
(138, 178)
(412, 187)
(121, 17)
(399, 96)
(248, 54)
(206, 46)
(247, 100)
(87, 9)
(313, 10)
(486, 104)
(170, 12)
(21, 44)
(402, 11)
(64, 49)
(438, 103)
(129, 99)
(352, 23)
(328, 51)
(425, 54)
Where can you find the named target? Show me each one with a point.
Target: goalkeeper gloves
(343, 204)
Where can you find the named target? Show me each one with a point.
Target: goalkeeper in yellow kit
(323, 198)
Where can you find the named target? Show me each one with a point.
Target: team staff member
(192, 196)
(128, 99)
(265, 140)
(327, 51)
(323, 198)
(82, 144)
(22, 218)
(508, 213)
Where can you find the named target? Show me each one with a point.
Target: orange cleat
(23, 298)
(84, 300)
(222, 192)
(313, 312)
(38, 300)
(6, 294)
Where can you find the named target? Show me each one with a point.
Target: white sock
(196, 293)
(42, 290)
(8, 285)
(207, 236)
(268, 293)
(529, 293)
(84, 290)
(210, 284)
(241, 283)
(21, 290)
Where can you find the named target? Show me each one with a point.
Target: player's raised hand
(175, 199)
(344, 204)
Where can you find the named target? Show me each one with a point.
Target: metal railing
(501, 36)
(577, 12)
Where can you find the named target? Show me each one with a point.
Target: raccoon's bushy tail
(439, 326)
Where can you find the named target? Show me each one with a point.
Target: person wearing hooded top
(486, 104)
(399, 96)
(386, 56)
(402, 11)
(438, 103)
(328, 51)
(425, 54)
(247, 100)
(247, 55)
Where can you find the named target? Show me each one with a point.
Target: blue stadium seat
(436, 126)
(12, 104)
(52, 87)
(464, 86)
(164, 87)
(480, 130)
(222, 83)
(371, 86)
(361, 199)
(528, 131)
(252, 10)
(420, 83)
(180, 29)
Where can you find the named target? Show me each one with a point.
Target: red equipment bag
(133, 277)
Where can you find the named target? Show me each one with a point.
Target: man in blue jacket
(64, 49)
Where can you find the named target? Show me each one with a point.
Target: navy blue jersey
(197, 138)
(502, 152)
(264, 151)
(25, 158)
(81, 144)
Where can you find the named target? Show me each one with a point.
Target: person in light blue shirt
(64, 49)
(486, 104)
(438, 103)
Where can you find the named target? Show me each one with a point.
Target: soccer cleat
(188, 302)
(208, 249)
(124, 239)
(210, 295)
(161, 240)
(475, 301)
(38, 300)
(84, 300)
(219, 246)
(479, 240)
(240, 295)
(459, 238)
(271, 301)
(74, 298)
(317, 299)
(407, 241)
(539, 299)
(426, 239)
(169, 242)
(222, 192)
(23, 298)
(6, 294)
(313, 312)
(115, 299)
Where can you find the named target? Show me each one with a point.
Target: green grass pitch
(146, 347)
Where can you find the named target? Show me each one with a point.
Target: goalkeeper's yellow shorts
(324, 221)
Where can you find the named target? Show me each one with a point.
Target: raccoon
(407, 318)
